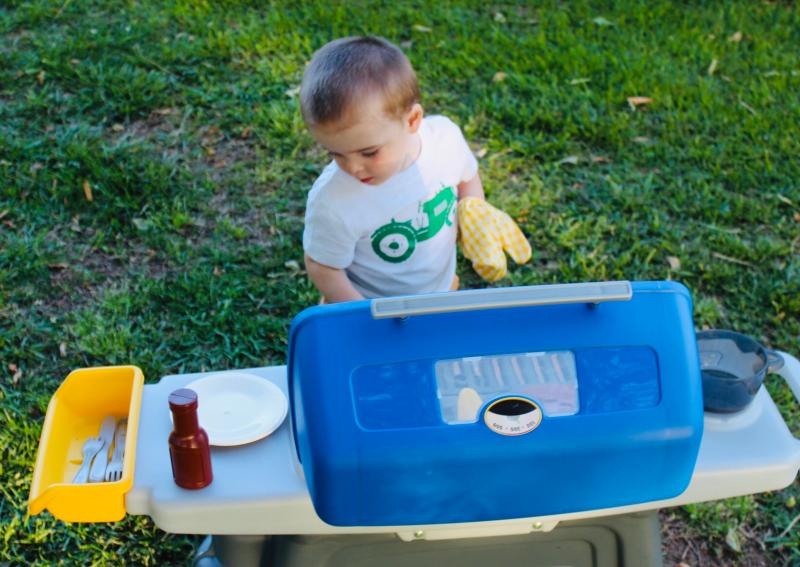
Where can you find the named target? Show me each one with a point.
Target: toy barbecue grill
(477, 421)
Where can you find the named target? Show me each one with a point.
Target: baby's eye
(371, 153)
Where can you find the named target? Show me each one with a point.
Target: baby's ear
(414, 118)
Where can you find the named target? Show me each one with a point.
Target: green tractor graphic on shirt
(395, 242)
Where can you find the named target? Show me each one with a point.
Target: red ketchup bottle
(188, 442)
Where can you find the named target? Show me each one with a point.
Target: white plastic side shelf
(748, 452)
(259, 488)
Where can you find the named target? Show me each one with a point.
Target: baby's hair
(342, 71)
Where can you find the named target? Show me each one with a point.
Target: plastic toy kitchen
(540, 425)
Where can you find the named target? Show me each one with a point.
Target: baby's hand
(484, 232)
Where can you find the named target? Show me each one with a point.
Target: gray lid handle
(495, 298)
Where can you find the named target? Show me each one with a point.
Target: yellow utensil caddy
(75, 412)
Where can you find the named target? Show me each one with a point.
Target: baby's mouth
(366, 179)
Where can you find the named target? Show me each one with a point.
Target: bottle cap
(183, 400)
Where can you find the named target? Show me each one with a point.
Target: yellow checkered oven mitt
(485, 232)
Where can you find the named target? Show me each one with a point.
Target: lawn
(154, 167)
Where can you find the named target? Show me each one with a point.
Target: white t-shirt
(399, 237)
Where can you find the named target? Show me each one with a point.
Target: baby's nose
(355, 168)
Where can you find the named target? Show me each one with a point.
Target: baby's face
(371, 145)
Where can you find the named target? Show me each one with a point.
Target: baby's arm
(331, 282)
(471, 188)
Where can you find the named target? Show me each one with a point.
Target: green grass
(182, 118)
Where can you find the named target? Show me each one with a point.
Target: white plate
(237, 408)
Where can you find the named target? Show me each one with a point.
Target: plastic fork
(114, 468)
(91, 447)
(98, 470)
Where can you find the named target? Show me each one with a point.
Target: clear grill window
(464, 385)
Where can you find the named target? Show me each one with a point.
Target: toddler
(381, 218)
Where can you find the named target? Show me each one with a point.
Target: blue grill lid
(610, 396)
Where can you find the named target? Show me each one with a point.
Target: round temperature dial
(512, 416)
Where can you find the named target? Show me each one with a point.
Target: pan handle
(774, 360)
(495, 298)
